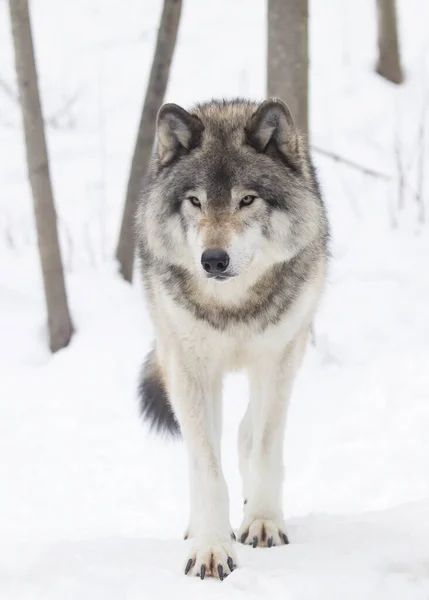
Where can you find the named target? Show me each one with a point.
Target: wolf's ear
(178, 131)
(271, 130)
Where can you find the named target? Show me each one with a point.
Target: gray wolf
(232, 235)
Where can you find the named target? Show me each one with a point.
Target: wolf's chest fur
(240, 306)
(235, 333)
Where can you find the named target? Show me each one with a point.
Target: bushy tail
(154, 403)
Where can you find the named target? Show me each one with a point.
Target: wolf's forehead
(218, 180)
(220, 173)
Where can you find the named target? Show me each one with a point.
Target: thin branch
(421, 167)
(53, 120)
(351, 164)
(400, 169)
(9, 91)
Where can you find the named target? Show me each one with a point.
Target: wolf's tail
(154, 403)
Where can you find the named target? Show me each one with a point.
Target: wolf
(232, 235)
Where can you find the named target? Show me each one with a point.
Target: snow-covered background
(91, 505)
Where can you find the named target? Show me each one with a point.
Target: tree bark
(287, 68)
(166, 41)
(59, 321)
(389, 61)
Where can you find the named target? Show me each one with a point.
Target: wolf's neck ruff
(266, 302)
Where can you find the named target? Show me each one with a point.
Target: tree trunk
(389, 61)
(287, 68)
(158, 80)
(59, 321)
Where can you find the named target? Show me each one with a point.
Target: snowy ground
(91, 506)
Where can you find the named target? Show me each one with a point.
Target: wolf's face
(234, 188)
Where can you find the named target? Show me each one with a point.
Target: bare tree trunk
(158, 80)
(59, 321)
(389, 61)
(287, 67)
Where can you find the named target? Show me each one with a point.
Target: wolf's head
(231, 189)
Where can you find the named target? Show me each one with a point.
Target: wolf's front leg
(261, 438)
(195, 396)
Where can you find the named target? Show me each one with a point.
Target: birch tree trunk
(158, 80)
(389, 60)
(59, 321)
(287, 68)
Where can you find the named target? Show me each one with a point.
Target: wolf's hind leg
(245, 433)
(261, 446)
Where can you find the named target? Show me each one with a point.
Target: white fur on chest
(242, 344)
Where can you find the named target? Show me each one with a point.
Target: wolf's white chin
(221, 279)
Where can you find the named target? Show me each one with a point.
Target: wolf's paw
(216, 560)
(262, 533)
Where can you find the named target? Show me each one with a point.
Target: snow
(361, 557)
(92, 505)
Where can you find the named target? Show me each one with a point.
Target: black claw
(255, 541)
(230, 563)
(245, 502)
(188, 566)
(220, 572)
(244, 537)
(284, 536)
(233, 536)
(203, 571)
(270, 542)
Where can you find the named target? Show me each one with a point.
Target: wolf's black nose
(214, 260)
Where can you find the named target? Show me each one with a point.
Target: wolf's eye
(247, 200)
(194, 201)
